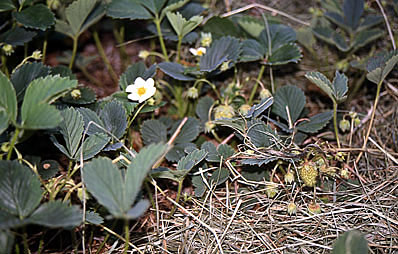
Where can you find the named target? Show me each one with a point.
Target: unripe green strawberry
(314, 208)
(308, 173)
(224, 111)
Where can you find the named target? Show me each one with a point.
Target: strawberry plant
(151, 126)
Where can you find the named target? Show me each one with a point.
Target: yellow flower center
(200, 53)
(141, 91)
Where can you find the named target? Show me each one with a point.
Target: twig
(192, 215)
(387, 24)
(384, 151)
(255, 5)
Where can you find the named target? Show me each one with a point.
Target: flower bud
(143, 54)
(244, 109)
(206, 39)
(8, 50)
(344, 173)
(192, 93)
(209, 126)
(357, 121)
(76, 94)
(271, 189)
(291, 208)
(289, 177)
(224, 66)
(5, 147)
(265, 93)
(344, 125)
(37, 55)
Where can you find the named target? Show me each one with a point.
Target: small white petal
(193, 51)
(139, 81)
(130, 88)
(133, 97)
(150, 82)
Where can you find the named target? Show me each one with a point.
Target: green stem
(135, 115)
(179, 190)
(160, 35)
(260, 75)
(74, 51)
(44, 48)
(12, 144)
(4, 65)
(101, 51)
(119, 36)
(150, 194)
(127, 236)
(336, 130)
(179, 49)
(271, 76)
(372, 117)
(41, 244)
(25, 241)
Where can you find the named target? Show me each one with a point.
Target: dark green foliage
(381, 65)
(350, 18)
(116, 191)
(289, 98)
(351, 242)
(37, 16)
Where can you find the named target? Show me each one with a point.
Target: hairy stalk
(254, 89)
(43, 59)
(13, 142)
(160, 35)
(372, 117)
(179, 48)
(74, 51)
(127, 236)
(4, 65)
(135, 115)
(336, 130)
(101, 51)
(25, 240)
(150, 194)
(271, 76)
(119, 36)
(179, 190)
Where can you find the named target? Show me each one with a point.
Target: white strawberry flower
(198, 52)
(141, 90)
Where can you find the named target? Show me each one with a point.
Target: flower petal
(133, 97)
(130, 89)
(150, 82)
(193, 51)
(139, 81)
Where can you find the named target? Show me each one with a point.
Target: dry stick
(387, 24)
(255, 5)
(192, 215)
(171, 141)
(231, 220)
(384, 151)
